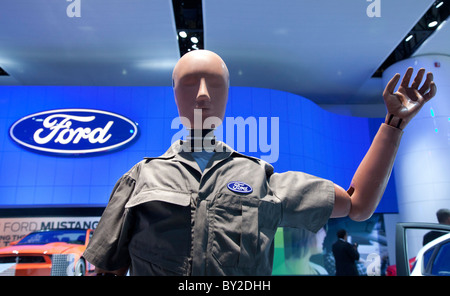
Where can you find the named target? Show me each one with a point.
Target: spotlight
(194, 39)
(182, 34)
(432, 24)
(409, 38)
(439, 4)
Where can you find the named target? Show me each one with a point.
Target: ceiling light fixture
(188, 17)
(432, 24)
(430, 21)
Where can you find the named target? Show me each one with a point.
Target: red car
(392, 269)
(49, 252)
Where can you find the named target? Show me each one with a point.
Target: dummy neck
(201, 140)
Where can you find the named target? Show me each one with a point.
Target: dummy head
(200, 82)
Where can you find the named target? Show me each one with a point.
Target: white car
(434, 258)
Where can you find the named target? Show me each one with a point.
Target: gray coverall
(167, 217)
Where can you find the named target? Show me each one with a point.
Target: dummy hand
(406, 102)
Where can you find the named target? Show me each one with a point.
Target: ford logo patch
(239, 187)
(73, 131)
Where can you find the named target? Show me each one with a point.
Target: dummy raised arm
(370, 180)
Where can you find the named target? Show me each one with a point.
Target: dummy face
(200, 81)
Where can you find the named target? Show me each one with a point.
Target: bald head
(200, 82)
(200, 61)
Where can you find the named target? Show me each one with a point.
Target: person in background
(345, 255)
(299, 245)
(443, 217)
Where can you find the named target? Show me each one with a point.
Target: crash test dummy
(214, 211)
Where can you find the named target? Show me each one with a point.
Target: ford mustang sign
(73, 131)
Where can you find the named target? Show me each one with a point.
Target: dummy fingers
(431, 93)
(429, 86)
(390, 87)
(427, 83)
(418, 78)
(407, 77)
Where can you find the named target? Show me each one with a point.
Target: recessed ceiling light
(409, 38)
(194, 39)
(432, 24)
(439, 4)
(182, 34)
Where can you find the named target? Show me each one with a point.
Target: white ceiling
(127, 42)
(325, 50)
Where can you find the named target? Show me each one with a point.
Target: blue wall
(310, 140)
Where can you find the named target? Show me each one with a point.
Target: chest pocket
(161, 234)
(243, 229)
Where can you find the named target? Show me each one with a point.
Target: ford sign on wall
(73, 131)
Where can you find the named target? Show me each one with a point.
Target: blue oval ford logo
(73, 131)
(239, 187)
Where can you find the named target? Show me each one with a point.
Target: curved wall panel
(286, 130)
(423, 160)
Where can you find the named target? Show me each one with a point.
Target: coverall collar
(180, 152)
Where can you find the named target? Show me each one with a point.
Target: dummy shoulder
(133, 173)
(263, 164)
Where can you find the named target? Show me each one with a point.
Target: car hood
(51, 248)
